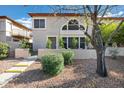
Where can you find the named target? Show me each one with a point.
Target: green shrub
(53, 64)
(87, 40)
(61, 43)
(25, 44)
(49, 44)
(68, 55)
(4, 50)
(74, 42)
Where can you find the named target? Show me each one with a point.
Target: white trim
(79, 23)
(78, 41)
(39, 19)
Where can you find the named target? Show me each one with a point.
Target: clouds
(25, 21)
(119, 14)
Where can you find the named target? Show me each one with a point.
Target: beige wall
(22, 53)
(2, 36)
(2, 25)
(53, 28)
(13, 45)
(81, 53)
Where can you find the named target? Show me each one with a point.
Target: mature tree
(106, 31)
(119, 37)
(93, 16)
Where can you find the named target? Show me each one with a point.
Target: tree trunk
(101, 67)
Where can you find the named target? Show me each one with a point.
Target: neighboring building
(12, 32)
(52, 26)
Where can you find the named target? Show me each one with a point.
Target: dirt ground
(82, 74)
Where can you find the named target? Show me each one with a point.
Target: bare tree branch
(99, 8)
(89, 9)
(106, 8)
(86, 33)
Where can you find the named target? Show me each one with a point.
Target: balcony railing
(22, 33)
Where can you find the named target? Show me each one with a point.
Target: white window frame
(39, 28)
(56, 39)
(79, 23)
(78, 41)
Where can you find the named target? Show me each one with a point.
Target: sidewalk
(16, 70)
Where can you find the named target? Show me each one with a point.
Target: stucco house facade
(53, 26)
(12, 32)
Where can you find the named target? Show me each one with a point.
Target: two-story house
(53, 26)
(12, 32)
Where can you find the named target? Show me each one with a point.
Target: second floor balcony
(22, 33)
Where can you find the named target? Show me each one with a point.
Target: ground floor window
(53, 42)
(82, 42)
(74, 42)
(69, 42)
(65, 42)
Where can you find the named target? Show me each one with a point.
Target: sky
(20, 12)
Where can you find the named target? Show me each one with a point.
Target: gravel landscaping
(79, 75)
(7, 63)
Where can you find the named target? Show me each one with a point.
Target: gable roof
(15, 23)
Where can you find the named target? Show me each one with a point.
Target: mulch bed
(72, 76)
(7, 63)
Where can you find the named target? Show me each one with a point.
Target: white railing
(17, 32)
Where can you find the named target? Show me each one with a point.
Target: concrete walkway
(16, 70)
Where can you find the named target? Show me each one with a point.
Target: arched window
(73, 22)
(82, 27)
(64, 27)
(73, 25)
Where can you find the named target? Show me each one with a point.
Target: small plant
(25, 44)
(49, 44)
(52, 64)
(74, 43)
(4, 50)
(68, 55)
(61, 43)
(87, 40)
(113, 53)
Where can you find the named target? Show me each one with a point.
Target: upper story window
(39, 23)
(73, 25)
